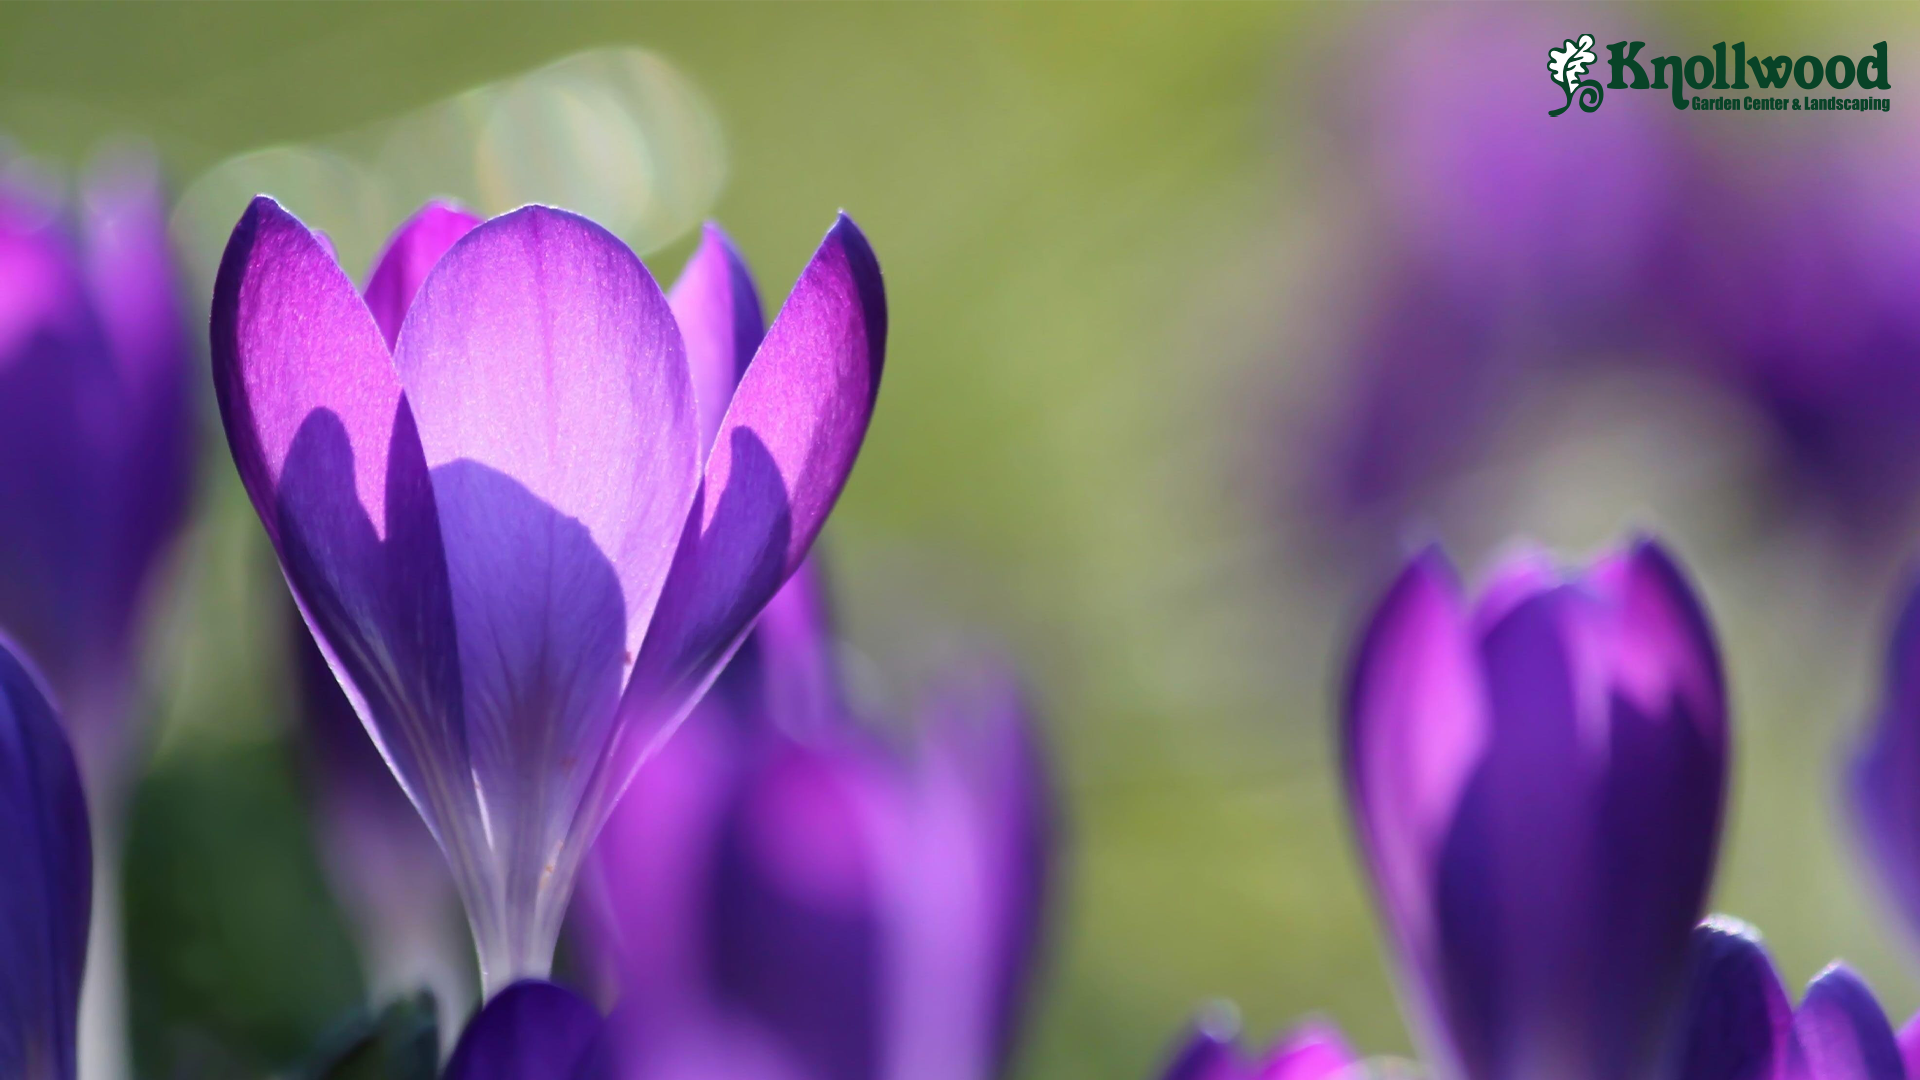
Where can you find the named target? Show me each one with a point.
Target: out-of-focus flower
(782, 895)
(1740, 1024)
(46, 881)
(96, 439)
(532, 1030)
(1481, 270)
(1537, 781)
(1883, 782)
(815, 904)
(1314, 1051)
(1793, 261)
(503, 530)
(383, 864)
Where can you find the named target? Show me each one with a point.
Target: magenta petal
(1315, 1051)
(532, 1030)
(1909, 1039)
(1739, 1020)
(782, 455)
(46, 881)
(1843, 1032)
(326, 447)
(410, 255)
(557, 416)
(720, 320)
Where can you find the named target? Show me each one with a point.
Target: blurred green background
(1102, 229)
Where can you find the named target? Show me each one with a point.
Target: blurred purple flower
(1481, 265)
(779, 894)
(1795, 269)
(96, 438)
(1740, 1024)
(1313, 1051)
(46, 881)
(382, 862)
(503, 529)
(813, 904)
(1537, 781)
(1883, 782)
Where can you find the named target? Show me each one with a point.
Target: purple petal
(325, 444)
(137, 292)
(1207, 1055)
(1884, 777)
(782, 455)
(1909, 1039)
(968, 855)
(1739, 1020)
(1416, 725)
(556, 413)
(46, 881)
(796, 936)
(720, 320)
(788, 667)
(1843, 1032)
(410, 256)
(532, 1030)
(648, 888)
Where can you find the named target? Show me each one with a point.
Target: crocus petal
(326, 446)
(966, 860)
(798, 941)
(781, 456)
(410, 256)
(46, 881)
(1910, 1045)
(557, 416)
(532, 1030)
(1315, 1051)
(1415, 725)
(1739, 1020)
(719, 313)
(1883, 783)
(1843, 1032)
(789, 665)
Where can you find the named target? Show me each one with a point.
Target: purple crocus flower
(1883, 785)
(46, 881)
(1537, 781)
(96, 438)
(781, 894)
(1314, 1051)
(1741, 1025)
(500, 520)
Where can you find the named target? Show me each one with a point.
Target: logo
(1568, 63)
(1568, 66)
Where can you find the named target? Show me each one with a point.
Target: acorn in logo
(1568, 66)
